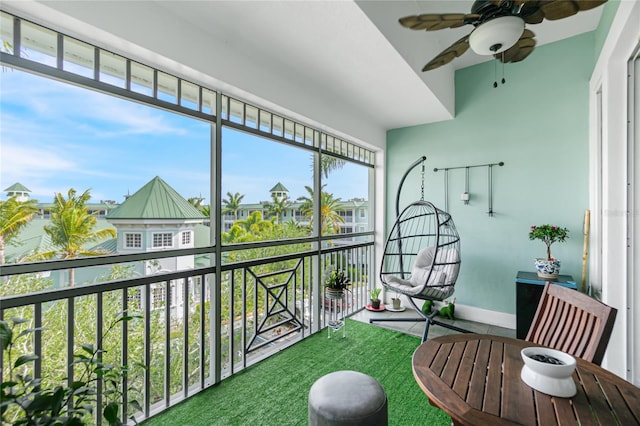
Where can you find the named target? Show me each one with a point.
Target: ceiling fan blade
(435, 21)
(526, 34)
(535, 11)
(558, 9)
(449, 54)
(523, 47)
(530, 12)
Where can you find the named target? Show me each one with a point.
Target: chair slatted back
(572, 322)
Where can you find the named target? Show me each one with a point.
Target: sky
(55, 136)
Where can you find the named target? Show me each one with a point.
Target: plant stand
(336, 313)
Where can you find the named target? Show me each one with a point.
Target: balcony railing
(191, 328)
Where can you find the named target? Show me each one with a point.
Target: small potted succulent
(375, 298)
(548, 268)
(396, 302)
(337, 283)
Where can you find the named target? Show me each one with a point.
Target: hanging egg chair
(421, 258)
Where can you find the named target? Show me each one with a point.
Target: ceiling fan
(499, 26)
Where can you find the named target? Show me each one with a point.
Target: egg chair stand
(421, 258)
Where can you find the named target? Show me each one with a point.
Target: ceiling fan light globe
(496, 35)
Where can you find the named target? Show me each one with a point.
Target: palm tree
(14, 216)
(329, 163)
(72, 227)
(232, 204)
(256, 225)
(293, 229)
(277, 206)
(196, 202)
(330, 219)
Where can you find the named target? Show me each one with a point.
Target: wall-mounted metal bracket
(465, 195)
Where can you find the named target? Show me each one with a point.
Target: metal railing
(190, 329)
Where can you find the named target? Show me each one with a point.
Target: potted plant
(337, 283)
(395, 302)
(375, 298)
(548, 268)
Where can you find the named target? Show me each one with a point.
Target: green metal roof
(33, 239)
(279, 188)
(90, 206)
(17, 187)
(155, 200)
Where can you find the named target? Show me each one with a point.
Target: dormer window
(163, 240)
(133, 240)
(186, 238)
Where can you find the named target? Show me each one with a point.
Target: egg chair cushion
(429, 279)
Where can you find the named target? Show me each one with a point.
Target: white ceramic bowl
(552, 379)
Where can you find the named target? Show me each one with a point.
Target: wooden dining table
(475, 378)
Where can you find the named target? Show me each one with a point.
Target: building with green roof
(18, 190)
(279, 192)
(157, 218)
(354, 212)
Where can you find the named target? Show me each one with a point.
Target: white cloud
(22, 161)
(51, 101)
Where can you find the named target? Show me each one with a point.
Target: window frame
(137, 239)
(163, 240)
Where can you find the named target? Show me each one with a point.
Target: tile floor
(417, 328)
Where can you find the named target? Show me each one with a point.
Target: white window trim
(163, 241)
(186, 238)
(609, 229)
(137, 241)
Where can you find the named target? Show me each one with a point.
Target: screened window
(107, 109)
(274, 176)
(346, 187)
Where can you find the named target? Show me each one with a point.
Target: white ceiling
(304, 56)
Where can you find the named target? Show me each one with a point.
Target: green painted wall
(537, 124)
(608, 13)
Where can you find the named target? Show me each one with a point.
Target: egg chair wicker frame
(421, 258)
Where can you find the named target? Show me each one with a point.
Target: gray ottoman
(347, 398)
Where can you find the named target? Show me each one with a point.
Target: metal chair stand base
(428, 319)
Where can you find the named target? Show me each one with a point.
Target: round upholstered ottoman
(347, 398)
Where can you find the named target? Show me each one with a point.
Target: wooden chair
(572, 322)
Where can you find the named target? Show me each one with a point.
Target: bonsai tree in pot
(548, 268)
(337, 282)
(375, 298)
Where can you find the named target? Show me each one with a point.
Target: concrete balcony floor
(417, 328)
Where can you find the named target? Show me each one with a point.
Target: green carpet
(275, 391)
